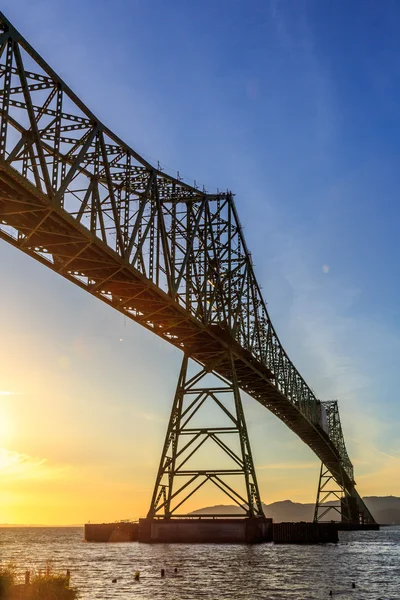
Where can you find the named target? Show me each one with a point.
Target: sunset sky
(293, 105)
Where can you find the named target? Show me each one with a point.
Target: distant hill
(385, 509)
(286, 510)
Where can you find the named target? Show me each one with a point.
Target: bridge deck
(173, 258)
(75, 251)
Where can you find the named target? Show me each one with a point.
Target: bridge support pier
(191, 440)
(336, 503)
(341, 507)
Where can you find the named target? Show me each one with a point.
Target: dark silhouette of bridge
(169, 256)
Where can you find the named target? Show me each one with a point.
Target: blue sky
(293, 105)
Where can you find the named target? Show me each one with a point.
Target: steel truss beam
(335, 433)
(334, 487)
(164, 253)
(176, 480)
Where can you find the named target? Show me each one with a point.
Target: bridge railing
(188, 242)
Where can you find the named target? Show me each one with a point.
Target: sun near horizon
(83, 414)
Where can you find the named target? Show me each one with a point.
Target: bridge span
(166, 254)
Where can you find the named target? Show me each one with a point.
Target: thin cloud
(18, 466)
(335, 359)
(297, 39)
(148, 416)
(372, 449)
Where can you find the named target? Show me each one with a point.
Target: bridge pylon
(332, 501)
(189, 441)
(336, 502)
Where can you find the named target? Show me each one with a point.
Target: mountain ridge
(385, 510)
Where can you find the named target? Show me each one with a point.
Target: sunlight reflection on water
(370, 559)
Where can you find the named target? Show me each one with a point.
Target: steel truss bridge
(167, 255)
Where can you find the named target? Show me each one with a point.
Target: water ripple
(217, 572)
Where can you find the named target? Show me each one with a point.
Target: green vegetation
(43, 585)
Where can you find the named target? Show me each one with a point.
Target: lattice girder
(170, 256)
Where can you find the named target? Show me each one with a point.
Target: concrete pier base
(219, 531)
(205, 531)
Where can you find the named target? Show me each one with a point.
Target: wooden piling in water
(304, 533)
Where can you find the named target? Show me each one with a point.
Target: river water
(237, 572)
